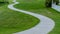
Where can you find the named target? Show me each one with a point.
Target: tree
(48, 3)
(3, 1)
(57, 2)
(6, 1)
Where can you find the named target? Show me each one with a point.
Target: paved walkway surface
(56, 7)
(44, 27)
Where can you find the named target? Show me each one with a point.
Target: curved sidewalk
(44, 27)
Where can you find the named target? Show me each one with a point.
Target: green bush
(3, 0)
(7, 1)
(48, 3)
(56, 1)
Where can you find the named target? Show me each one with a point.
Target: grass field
(38, 6)
(13, 21)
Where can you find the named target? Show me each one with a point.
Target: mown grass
(13, 21)
(38, 6)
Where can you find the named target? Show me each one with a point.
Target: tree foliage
(6, 1)
(3, 0)
(49, 2)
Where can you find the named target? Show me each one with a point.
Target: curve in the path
(44, 27)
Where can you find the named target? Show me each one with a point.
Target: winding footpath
(44, 27)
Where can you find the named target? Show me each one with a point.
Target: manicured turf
(13, 21)
(38, 6)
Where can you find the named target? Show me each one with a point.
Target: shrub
(57, 2)
(4, 1)
(48, 3)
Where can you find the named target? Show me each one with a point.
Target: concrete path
(44, 27)
(56, 7)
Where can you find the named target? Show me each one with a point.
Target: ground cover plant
(38, 6)
(12, 21)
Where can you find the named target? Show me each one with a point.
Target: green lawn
(38, 6)
(13, 21)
